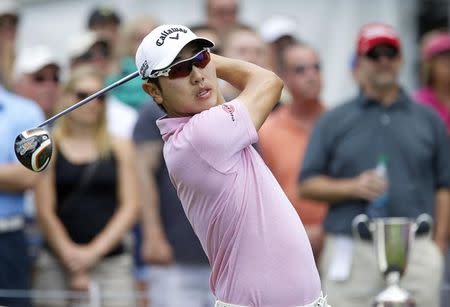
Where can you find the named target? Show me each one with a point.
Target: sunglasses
(42, 78)
(183, 68)
(377, 53)
(9, 20)
(83, 95)
(97, 51)
(301, 69)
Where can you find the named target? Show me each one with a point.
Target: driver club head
(33, 149)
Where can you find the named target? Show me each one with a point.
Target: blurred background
(330, 26)
(56, 52)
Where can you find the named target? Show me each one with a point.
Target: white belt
(320, 302)
(11, 224)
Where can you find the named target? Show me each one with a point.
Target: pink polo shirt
(256, 244)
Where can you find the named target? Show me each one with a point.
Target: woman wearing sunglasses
(86, 202)
(256, 244)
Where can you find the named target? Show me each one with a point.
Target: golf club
(33, 147)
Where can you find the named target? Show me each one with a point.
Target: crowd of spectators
(105, 217)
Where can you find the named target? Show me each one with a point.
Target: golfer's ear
(153, 91)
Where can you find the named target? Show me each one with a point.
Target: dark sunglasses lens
(41, 78)
(84, 95)
(183, 69)
(180, 70)
(301, 69)
(202, 59)
(389, 52)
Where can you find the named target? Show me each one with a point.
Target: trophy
(392, 239)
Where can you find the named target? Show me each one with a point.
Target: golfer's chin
(206, 102)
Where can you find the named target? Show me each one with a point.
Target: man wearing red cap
(381, 126)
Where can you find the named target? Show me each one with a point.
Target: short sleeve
(219, 134)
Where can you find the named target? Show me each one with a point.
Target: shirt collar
(401, 101)
(168, 125)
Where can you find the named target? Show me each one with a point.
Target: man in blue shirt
(16, 114)
(340, 168)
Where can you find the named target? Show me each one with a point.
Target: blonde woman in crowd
(86, 202)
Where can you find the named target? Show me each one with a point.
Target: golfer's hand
(157, 251)
(368, 185)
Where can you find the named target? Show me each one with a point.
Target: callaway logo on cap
(161, 46)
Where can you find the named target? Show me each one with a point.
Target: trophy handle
(359, 219)
(423, 218)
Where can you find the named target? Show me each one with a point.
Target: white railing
(93, 296)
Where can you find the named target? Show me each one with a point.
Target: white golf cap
(276, 27)
(161, 46)
(9, 7)
(31, 60)
(81, 43)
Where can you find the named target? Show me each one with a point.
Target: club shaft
(91, 97)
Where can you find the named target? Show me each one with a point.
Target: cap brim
(172, 55)
(380, 41)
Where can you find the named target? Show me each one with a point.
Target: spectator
(203, 30)
(131, 93)
(435, 74)
(179, 268)
(105, 21)
(339, 168)
(435, 92)
(243, 43)
(16, 115)
(90, 49)
(221, 14)
(284, 135)
(86, 201)
(278, 31)
(9, 20)
(36, 76)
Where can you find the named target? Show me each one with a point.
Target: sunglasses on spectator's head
(302, 68)
(183, 68)
(380, 51)
(39, 78)
(83, 95)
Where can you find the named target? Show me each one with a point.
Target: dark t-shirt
(185, 244)
(350, 139)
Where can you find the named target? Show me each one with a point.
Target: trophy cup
(392, 239)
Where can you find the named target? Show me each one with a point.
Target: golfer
(256, 244)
